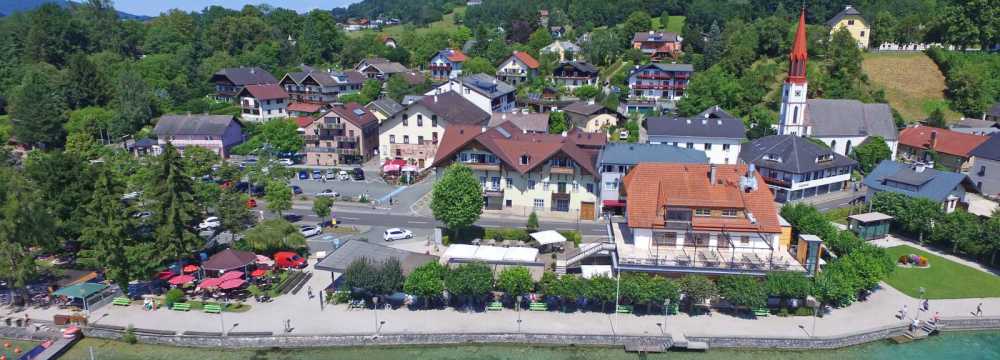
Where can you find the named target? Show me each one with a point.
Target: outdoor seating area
(730, 259)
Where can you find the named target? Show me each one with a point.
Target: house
(486, 92)
(550, 174)
(305, 108)
(616, 159)
(526, 121)
(217, 133)
(658, 45)
(557, 32)
(380, 70)
(921, 181)
(447, 64)
(518, 68)
(573, 74)
(700, 219)
(851, 19)
(796, 168)
(590, 116)
(346, 134)
(840, 123)
(263, 102)
(229, 81)
(975, 126)
(317, 86)
(985, 170)
(941, 147)
(543, 17)
(713, 131)
(384, 108)
(303, 122)
(566, 50)
(656, 86)
(413, 134)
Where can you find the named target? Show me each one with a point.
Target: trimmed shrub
(173, 296)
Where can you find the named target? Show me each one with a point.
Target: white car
(343, 176)
(209, 223)
(310, 230)
(328, 193)
(286, 162)
(397, 234)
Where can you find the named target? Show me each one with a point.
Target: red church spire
(797, 59)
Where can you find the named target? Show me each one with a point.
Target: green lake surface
(960, 345)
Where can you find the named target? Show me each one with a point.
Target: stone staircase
(925, 330)
(585, 251)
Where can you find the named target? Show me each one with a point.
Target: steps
(585, 251)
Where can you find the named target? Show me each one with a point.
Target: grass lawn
(913, 83)
(944, 279)
(675, 24)
(446, 23)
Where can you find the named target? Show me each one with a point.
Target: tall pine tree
(24, 224)
(107, 231)
(172, 194)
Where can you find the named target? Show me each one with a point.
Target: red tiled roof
(304, 121)
(526, 59)
(651, 187)
(351, 111)
(305, 107)
(799, 45)
(456, 56)
(946, 141)
(265, 91)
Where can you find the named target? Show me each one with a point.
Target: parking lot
(347, 188)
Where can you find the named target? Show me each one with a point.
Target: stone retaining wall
(803, 343)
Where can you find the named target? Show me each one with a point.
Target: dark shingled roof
(933, 184)
(453, 108)
(711, 123)
(387, 106)
(848, 10)
(581, 66)
(843, 117)
(652, 36)
(246, 76)
(798, 155)
(487, 85)
(229, 259)
(583, 108)
(339, 259)
(989, 149)
(208, 125)
(264, 92)
(631, 154)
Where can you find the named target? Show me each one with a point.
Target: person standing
(979, 309)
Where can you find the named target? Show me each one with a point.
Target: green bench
(212, 308)
(122, 301)
(624, 309)
(761, 312)
(495, 306)
(673, 309)
(181, 307)
(356, 304)
(538, 306)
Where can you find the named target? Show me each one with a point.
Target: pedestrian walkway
(895, 240)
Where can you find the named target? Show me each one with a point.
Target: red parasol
(209, 283)
(190, 268)
(165, 274)
(231, 275)
(258, 273)
(181, 279)
(264, 260)
(232, 284)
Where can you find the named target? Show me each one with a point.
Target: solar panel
(359, 112)
(503, 132)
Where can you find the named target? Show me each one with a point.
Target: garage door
(587, 211)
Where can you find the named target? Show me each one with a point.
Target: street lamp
(517, 306)
(666, 307)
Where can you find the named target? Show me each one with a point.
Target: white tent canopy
(548, 237)
(491, 254)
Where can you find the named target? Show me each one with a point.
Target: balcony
(777, 182)
(335, 126)
(561, 169)
(310, 137)
(560, 195)
(709, 260)
(348, 139)
(483, 166)
(440, 67)
(332, 150)
(655, 76)
(492, 190)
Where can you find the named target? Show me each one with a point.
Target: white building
(518, 68)
(796, 168)
(413, 133)
(263, 102)
(713, 131)
(985, 170)
(486, 92)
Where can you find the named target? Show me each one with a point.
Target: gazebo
(83, 291)
(228, 260)
(870, 226)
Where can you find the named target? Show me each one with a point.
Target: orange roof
(303, 121)
(946, 141)
(305, 107)
(456, 55)
(799, 45)
(651, 187)
(526, 59)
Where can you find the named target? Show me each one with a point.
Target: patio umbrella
(190, 268)
(231, 275)
(232, 284)
(390, 168)
(264, 260)
(180, 279)
(258, 273)
(410, 168)
(165, 274)
(209, 283)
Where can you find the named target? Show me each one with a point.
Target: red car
(288, 259)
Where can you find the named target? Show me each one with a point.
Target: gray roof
(664, 67)
(994, 110)
(339, 259)
(487, 85)
(840, 117)
(387, 106)
(389, 67)
(246, 76)
(990, 149)
(848, 10)
(973, 123)
(583, 107)
(214, 125)
(798, 154)
(409, 99)
(930, 184)
(631, 154)
(661, 36)
(711, 123)
(581, 66)
(453, 108)
(533, 122)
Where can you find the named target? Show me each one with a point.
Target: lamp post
(666, 308)
(517, 306)
(375, 301)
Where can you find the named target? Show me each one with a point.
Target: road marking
(350, 218)
(565, 229)
(489, 226)
(393, 193)
(599, 231)
(417, 222)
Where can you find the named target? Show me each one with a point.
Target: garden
(939, 278)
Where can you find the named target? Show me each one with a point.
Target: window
(590, 188)
(531, 184)
(745, 240)
(850, 22)
(434, 120)
(524, 159)
(510, 183)
(725, 147)
(434, 138)
(420, 139)
(729, 212)
(545, 186)
(665, 239)
(708, 146)
(392, 139)
(690, 145)
(702, 212)
(539, 203)
(467, 91)
(406, 139)
(509, 203)
(701, 239)
(576, 187)
(406, 120)
(862, 34)
(420, 120)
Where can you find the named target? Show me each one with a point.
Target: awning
(232, 284)
(548, 237)
(411, 168)
(209, 283)
(80, 291)
(231, 275)
(390, 168)
(613, 203)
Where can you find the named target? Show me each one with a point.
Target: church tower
(791, 120)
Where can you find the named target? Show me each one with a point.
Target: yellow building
(851, 19)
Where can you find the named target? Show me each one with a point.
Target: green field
(944, 279)
(447, 23)
(913, 84)
(675, 24)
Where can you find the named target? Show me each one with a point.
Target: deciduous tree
(426, 282)
(515, 281)
(870, 153)
(270, 236)
(279, 197)
(457, 198)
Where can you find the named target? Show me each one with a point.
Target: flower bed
(913, 260)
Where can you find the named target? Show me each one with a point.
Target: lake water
(964, 345)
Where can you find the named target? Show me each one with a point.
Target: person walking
(927, 305)
(902, 313)
(309, 291)
(979, 309)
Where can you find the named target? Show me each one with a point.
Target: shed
(870, 226)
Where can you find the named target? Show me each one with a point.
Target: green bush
(173, 296)
(129, 335)
(573, 237)
(505, 234)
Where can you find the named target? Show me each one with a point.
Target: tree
(662, 289)
(697, 289)
(715, 45)
(473, 280)
(991, 235)
(133, 104)
(604, 46)
(107, 229)
(602, 290)
(275, 135)
(637, 22)
(390, 277)
(957, 229)
(361, 274)
(84, 84)
(936, 119)
(558, 122)
(426, 281)
(515, 281)
(843, 66)
(709, 88)
(233, 212)
(664, 20)
(457, 198)
(173, 205)
(24, 224)
(884, 29)
(322, 205)
(786, 284)
(62, 195)
(270, 236)
(91, 120)
(369, 92)
(199, 161)
(969, 92)
(870, 153)
(478, 65)
(742, 291)
(321, 38)
(539, 39)
(532, 224)
(37, 108)
(587, 92)
(279, 197)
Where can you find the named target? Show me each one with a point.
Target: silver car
(396, 234)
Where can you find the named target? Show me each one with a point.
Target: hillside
(913, 84)
(11, 7)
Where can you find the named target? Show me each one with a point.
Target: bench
(212, 308)
(181, 307)
(356, 304)
(624, 309)
(673, 309)
(495, 306)
(538, 306)
(761, 312)
(122, 301)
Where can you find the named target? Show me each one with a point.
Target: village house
(920, 180)
(380, 69)
(851, 19)
(941, 147)
(263, 102)
(518, 68)
(305, 109)
(447, 64)
(486, 92)
(346, 134)
(229, 81)
(531, 122)
(413, 134)
(658, 45)
(713, 131)
(384, 108)
(656, 86)
(985, 170)
(573, 74)
(317, 86)
(975, 126)
(521, 172)
(590, 116)
(217, 133)
(567, 51)
(796, 168)
(617, 159)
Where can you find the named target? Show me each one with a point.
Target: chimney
(711, 174)
(435, 98)
(933, 138)
(563, 134)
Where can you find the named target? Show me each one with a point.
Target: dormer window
(525, 159)
(824, 158)
(772, 157)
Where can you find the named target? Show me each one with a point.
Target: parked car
(251, 203)
(210, 223)
(397, 234)
(142, 214)
(310, 230)
(317, 175)
(343, 175)
(288, 259)
(358, 174)
(297, 190)
(292, 217)
(331, 175)
(303, 175)
(286, 162)
(328, 192)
